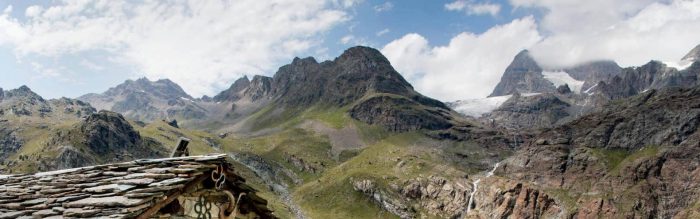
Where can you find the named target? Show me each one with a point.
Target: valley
(351, 138)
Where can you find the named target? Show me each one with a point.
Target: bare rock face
(439, 196)
(401, 114)
(233, 93)
(383, 199)
(593, 72)
(10, 141)
(259, 88)
(523, 75)
(539, 111)
(692, 56)
(420, 197)
(509, 199)
(101, 137)
(564, 89)
(636, 158)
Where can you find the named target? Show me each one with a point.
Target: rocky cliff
(527, 112)
(635, 158)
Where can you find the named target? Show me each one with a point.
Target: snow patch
(559, 78)
(480, 106)
(588, 91)
(680, 66)
(185, 98)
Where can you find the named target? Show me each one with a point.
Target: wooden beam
(181, 147)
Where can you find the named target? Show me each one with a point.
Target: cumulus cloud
(202, 45)
(567, 33)
(474, 8)
(629, 32)
(468, 67)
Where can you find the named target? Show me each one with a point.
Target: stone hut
(177, 187)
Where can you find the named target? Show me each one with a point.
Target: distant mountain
(524, 75)
(147, 100)
(40, 134)
(24, 102)
(576, 90)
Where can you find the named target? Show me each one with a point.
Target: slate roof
(120, 190)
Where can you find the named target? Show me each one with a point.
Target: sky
(449, 50)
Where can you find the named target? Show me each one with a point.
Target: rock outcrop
(10, 141)
(502, 198)
(101, 137)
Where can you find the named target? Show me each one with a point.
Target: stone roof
(120, 190)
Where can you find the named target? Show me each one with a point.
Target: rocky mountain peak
(362, 55)
(24, 93)
(163, 88)
(305, 61)
(105, 130)
(524, 61)
(692, 56)
(233, 93)
(523, 75)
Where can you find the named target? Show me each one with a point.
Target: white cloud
(7, 10)
(386, 6)
(468, 67)
(382, 32)
(347, 39)
(474, 8)
(568, 33)
(629, 32)
(33, 11)
(202, 45)
(44, 72)
(346, 3)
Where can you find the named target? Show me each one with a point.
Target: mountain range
(351, 138)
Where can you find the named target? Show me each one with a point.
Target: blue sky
(448, 50)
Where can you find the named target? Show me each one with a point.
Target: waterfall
(475, 185)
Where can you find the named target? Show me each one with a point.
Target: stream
(475, 185)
